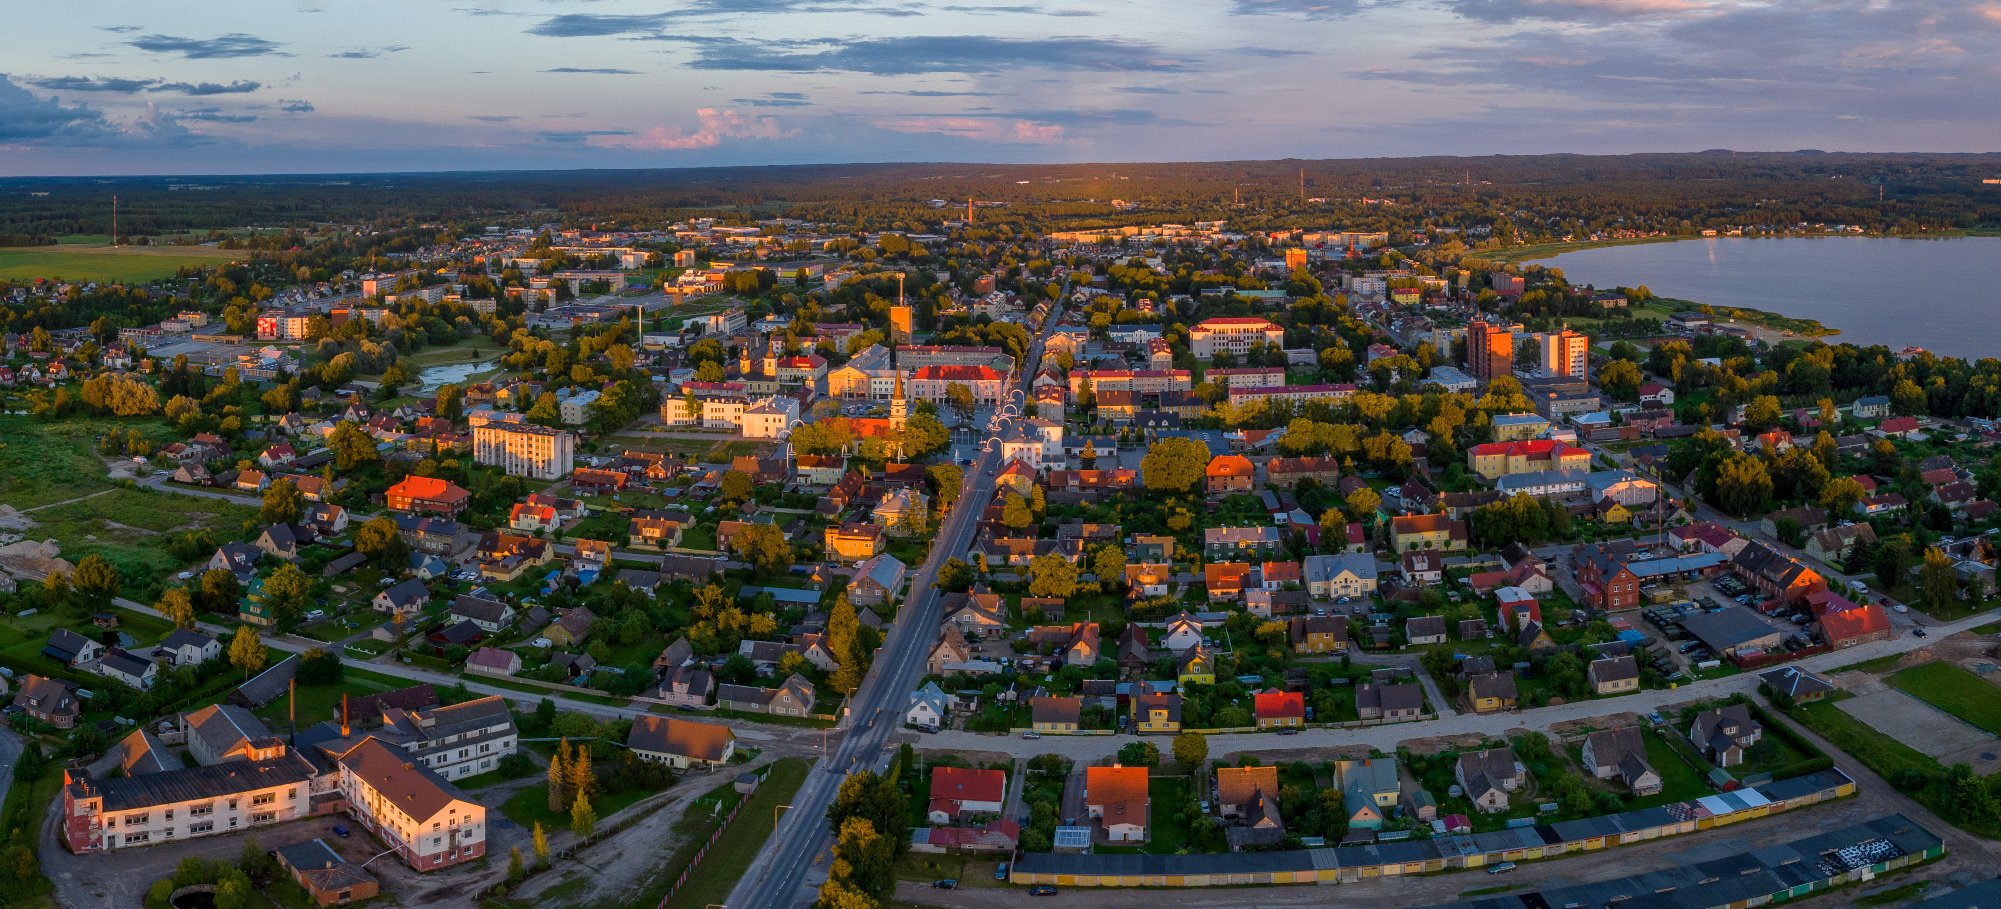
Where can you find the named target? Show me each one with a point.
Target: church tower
(899, 407)
(771, 358)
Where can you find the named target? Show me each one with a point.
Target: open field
(42, 463)
(717, 875)
(105, 263)
(1954, 690)
(1920, 725)
(125, 526)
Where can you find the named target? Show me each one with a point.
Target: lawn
(1954, 690)
(105, 263)
(712, 881)
(1880, 752)
(1680, 780)
(42, 463)
(125, 526)
(531, 805)
(320, 702)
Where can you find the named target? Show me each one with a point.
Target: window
(264, 817)
(292, 795)
(135, 820)
(202, 810)
(131, 838)
(200, 827)
(263, 798)
(170, 814)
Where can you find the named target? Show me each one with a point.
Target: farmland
(105, 263)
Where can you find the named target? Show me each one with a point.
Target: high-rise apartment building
(1490, 350)
(1566, 353)
(525, 450)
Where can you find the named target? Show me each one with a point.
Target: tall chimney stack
(343, 714)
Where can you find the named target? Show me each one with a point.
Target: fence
(702, 853)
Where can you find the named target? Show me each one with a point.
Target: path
(93, 495)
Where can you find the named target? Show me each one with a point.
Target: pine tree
(557, 779)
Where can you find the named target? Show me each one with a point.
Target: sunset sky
(363, 85)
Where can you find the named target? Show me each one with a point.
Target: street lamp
(774, 814)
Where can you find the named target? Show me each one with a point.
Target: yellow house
(1056, 715)
(1491, 691)
(854, 541)
(1494, 460)
(1426, 531)
(1614, 513)
(1157, 713)
(1196, 665)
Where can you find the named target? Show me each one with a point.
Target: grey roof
(480, 609)
(126, 663)
(195, 783)
(142, 753)
(406, 593)
(269, 684)
(1793, 681)
(1730, 628)
(182, 637)
(222, 726)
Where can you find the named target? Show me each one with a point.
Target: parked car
(1043, 891)
(340, 830)
(1920, 632)
(1031, 734)
(1502, 868)
(1899, 607)
(945, 884)
(1000, 872)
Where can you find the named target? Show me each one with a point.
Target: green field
(125, 527)
(713, 880)
(42, 463)
(1954, 690)
(104, 263)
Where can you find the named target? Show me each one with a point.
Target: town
(754, 561)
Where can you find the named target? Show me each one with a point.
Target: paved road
(1385, 738)
(778, 876)
(10, 755)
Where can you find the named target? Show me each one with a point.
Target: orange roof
(1235, 785)
(428, 488)
(1118, 792)
(1422, 523)
(1279, 705)
(963, 785)
(956, 372)
(1222, 572)
(1229, 465)
(669, 735)
(1852, 623)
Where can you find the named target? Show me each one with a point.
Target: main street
(776, 878)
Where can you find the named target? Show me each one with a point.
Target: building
(1156, 711)
(424, 819)
(1232, 335)
(1776, 575)
(1116, 797)
(1723, 734)
(1490, 692)
(525, 450)
(1622, 754)
(1370, 790)
(959, 794)
(1733, 631)
(1273, 709)
(1055, 714)
(1493, 460)
(1389, 702)
(1229, 473)
(1328, 577)
(52, 701)
(681, 744)
(328, 878)
(1426, 532)
(1566, 353)
(934, 383)
(853, 541)
(1238, 787)
(428, 495)
(1490, 350)
(1318, 634)
(1614, 674)
(1487, 776)
(1801, 686)
(271, 785)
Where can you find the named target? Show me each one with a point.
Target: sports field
(77, 262)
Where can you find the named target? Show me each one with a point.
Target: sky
(310, 86)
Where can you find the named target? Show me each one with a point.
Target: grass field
(713, 880)
(41, 463)
(531, 805)
(124, 526)
(1954, 690)
(1880, 752)
(77, 262)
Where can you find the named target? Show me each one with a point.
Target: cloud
(129, 86)
(712, 128)
(239, 87)
(932, 93)
(1305, 9)
(1145, 90)
(494, 118)
(579, 135)
(118, 29)
(213, 115)
(776, 99)
(90, 83)
(908, 55)
(593, 71)
(1018, 10)
(1507, 11)
(588, 25)
(1088, 117)
(28, 120)
(984, 129)
(295, 106)
(235, 44)
(369, 53)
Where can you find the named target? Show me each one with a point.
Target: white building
(525, 450)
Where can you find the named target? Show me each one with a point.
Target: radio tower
(114, 220)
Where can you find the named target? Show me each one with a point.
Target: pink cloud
(980, 128)
(712, 127)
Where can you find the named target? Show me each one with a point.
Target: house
(1494, 460)
(1487, 776)
(1810, 518)
(1608, 583)
(959, 793)
(71, 649)
(1275, 709)
(655, 528)
(1253, 543)
(1330, 577)
(978, 616)
(1422, 567)
(427, 495)
(679, 743)
(928, 707)
(252, 481)
(326, 519)
(284, 541)
(1182, 632)
(1424, 630)
(1134, 654)
(1732, 631)
(1872, 407)
(1229, 473)
(405, 598)
(793, 698)
(1622, 753)
(1055, 714)
(686, 686)
(129, 668)
(1897, 428)
(1225, 581)
(490, 616)
(1390, 702)
(951, 648)
(1491, 691)
(1370, 789)
(1845, 624)
(876, 581)
(1116, 797)
(494, 661)
(1318, 634)
(1801, 686)
(1614, 674)
(183, 647)
(1156, 711)
(1834, 545)
(239, 559)
(327, 877)
(1722, 734)
(1517, 608)
(52, 701)
(1238, 787)
(1426, 531)
(1195, 666)
(571, 628)
(853, 541)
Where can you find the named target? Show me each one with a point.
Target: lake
(430, 377)
(1937, 294)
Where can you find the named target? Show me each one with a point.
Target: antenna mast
(114, 220)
